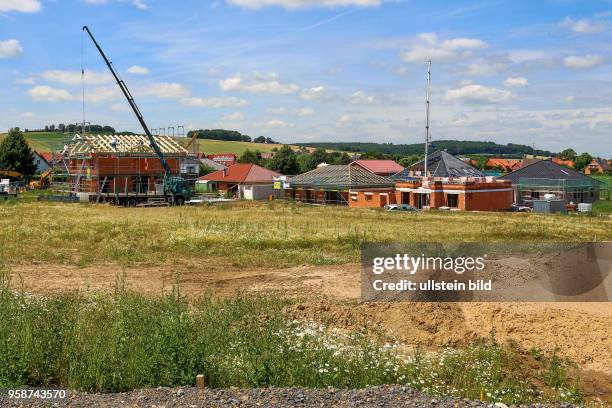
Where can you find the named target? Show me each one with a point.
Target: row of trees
(288, 161)
(228, 135)
(74, 128)
(580, 160)
(454, 147)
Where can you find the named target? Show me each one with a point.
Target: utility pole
(427, 136)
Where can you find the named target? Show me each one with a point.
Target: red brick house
(118, 164)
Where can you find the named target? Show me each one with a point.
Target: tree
(284, 161)
(582, 161)
(408, 161)
(567, 154)
(205, 169)
(259, 139)
(16, 155)
(249, 157)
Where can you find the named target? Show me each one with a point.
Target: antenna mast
(427, 136)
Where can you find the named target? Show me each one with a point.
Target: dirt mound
(584, 337)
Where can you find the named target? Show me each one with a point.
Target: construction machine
(176, 189)
(44, 181)
(10, 174)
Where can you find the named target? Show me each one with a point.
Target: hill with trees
(454, 147)
(228, 135)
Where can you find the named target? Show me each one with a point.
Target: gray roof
(443, 164)
(546, 169)
(339, 177)
(212, 164)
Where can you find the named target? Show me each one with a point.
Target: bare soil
(579, 331)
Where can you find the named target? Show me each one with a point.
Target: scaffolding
(112, 168)
(571, 190)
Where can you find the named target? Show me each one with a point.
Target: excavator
(44, 181)
(176, 189)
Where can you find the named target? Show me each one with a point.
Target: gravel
(382, 396)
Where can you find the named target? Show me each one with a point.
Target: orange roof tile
(242, 173)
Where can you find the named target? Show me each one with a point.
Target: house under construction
(544, 177)
(122, 169)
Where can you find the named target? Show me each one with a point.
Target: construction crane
(174, 187)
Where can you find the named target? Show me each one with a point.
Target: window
(452, 200)
(368, 197)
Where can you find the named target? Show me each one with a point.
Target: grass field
(53, 141)
(122, 341)
(46, 141)
(113, 340)
(255, 234)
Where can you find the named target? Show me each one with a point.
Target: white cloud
(305, 112)
(50, 94)
(258, 83)
(515, 81)
(140, 4)
(473, 93)
(119, 107)
(521, 56)
(277, 123)
(361, 98)
(583, 62)
(215, 102)
(344, 120)
(22, 6)
(233, 117)
(277, 111)
(27, 115)
(483, 67)
(294, 4)
(429, 47)
(74, 77)
(569, 99)
(138, 70)
(314, 93)
(166, 90)
(10, 49)
(583, 25)
(136, 3)
(103, 94)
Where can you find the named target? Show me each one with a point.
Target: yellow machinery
(44, 181)
(10, 174)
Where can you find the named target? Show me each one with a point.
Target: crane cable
(83, 81)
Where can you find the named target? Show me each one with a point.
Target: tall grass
(253, 234)
(122, 340)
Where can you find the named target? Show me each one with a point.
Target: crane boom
(130, 99)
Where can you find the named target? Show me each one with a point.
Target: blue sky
(530, 72)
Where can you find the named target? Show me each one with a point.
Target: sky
(529, 72)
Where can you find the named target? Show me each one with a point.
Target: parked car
(399, 207)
